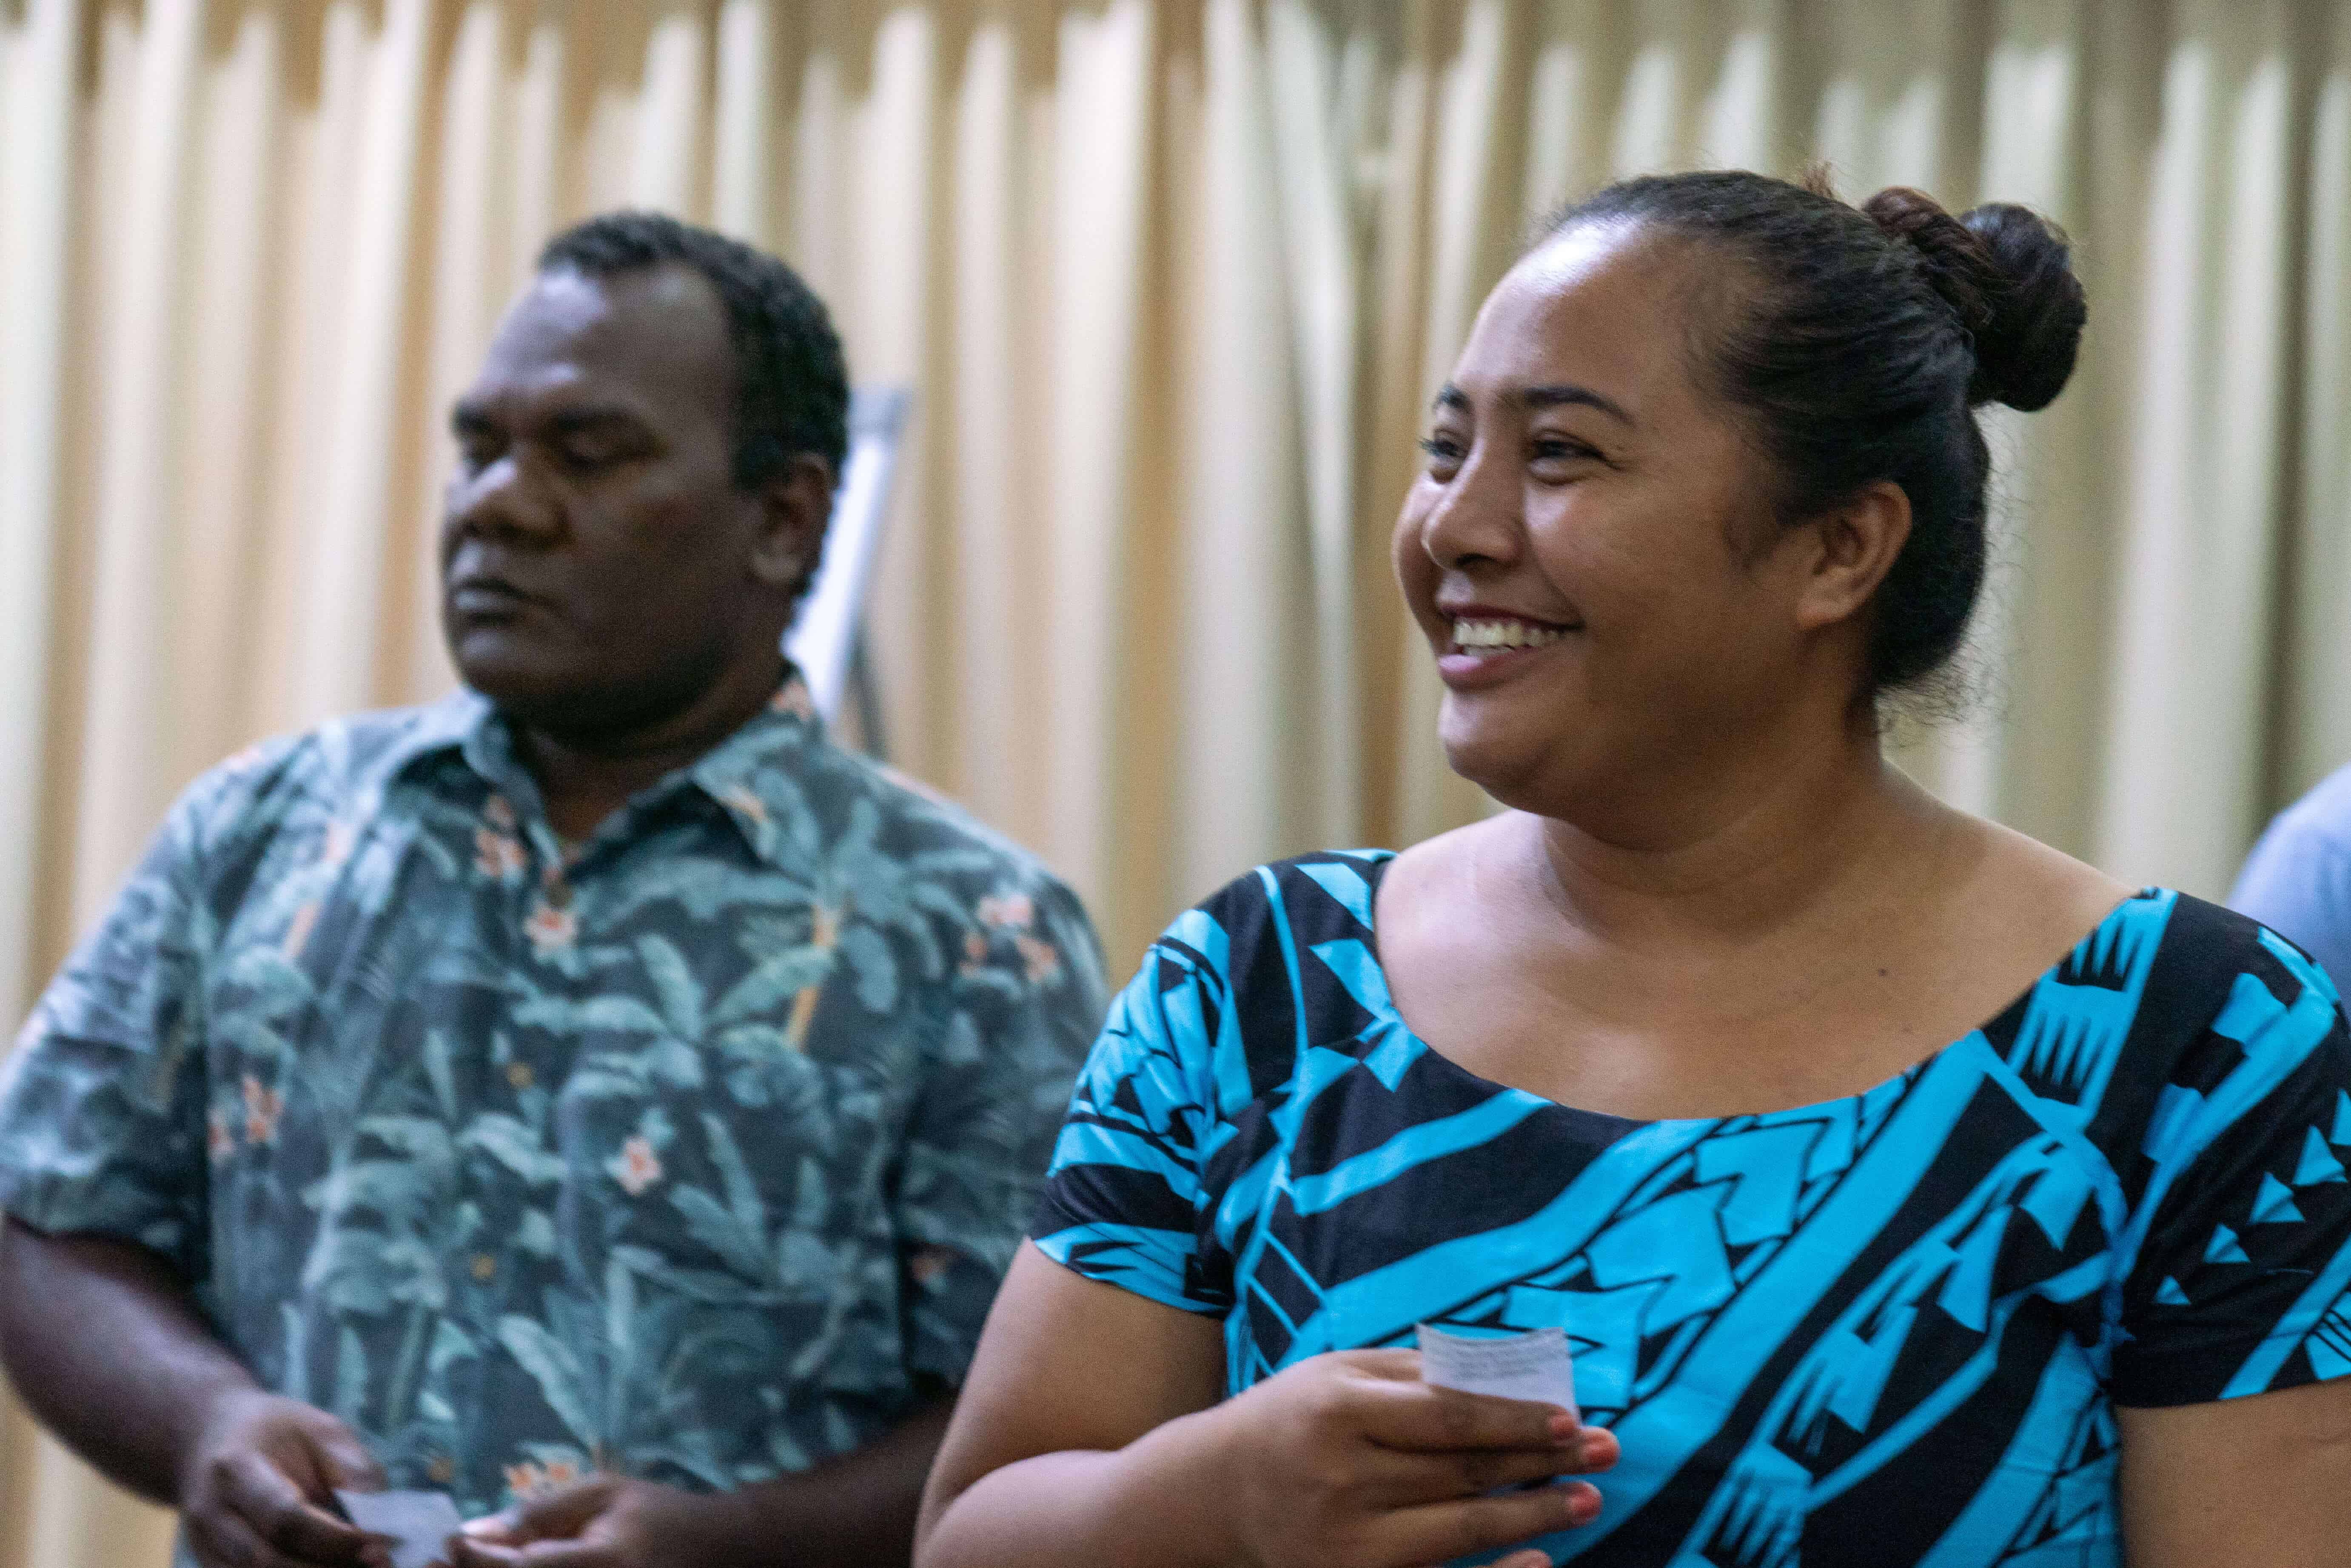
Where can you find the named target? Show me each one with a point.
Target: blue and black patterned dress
(1886, 1329)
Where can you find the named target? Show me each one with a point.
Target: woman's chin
(1489, 754)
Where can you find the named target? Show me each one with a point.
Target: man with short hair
(593, 1096)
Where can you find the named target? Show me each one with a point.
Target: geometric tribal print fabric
(1890, 1328)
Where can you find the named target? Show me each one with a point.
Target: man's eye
(588, 451)
(477, 455)
(1444, 452)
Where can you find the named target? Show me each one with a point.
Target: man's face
(601, 570)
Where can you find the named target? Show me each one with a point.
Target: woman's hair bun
(2008, 274)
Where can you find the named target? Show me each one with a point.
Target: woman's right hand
(1350, 1457)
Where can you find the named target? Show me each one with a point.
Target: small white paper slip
(1530, 1365)
(420, 1523)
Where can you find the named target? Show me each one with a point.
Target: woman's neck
(1751, 855)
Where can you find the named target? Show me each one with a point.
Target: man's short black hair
(792, 383)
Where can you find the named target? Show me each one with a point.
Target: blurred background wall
(1173, 280)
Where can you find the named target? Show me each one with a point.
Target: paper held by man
(417, 1523)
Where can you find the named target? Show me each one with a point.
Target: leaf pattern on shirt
(685, 1155)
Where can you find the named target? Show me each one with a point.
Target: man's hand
(258, 1487)
(607, 1522)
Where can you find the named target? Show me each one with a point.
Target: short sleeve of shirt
(103, 1122)
(1125, 1194)
(2297, 881)
(983, 1123)
(2239, 1281)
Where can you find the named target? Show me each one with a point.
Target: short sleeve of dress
(1125, 1193)
(2240, 1244)
(103, 1115)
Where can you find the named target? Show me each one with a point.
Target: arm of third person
(104, 1342)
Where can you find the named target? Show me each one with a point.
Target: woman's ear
(1854, 545)
(794, 507)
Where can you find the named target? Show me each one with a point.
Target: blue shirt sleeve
(2297, 881)
(1125, 1197)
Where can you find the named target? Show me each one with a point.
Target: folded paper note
(420, 1524)
(1530, 1365)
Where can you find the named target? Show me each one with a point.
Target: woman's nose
(1477, 513)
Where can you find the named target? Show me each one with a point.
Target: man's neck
(584, 777)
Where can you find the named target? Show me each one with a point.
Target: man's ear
(795, 503)
(1854, 545)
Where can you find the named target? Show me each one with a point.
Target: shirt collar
(742, 773)
(736, 774)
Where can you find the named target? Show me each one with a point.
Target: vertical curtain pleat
(37, 81)
(1101, 137)
(351, 526)
(39, 49)
(886, 308)
(987, 439)
(2206, 470)
(126, 772)
(2318, 654)
(1173, 282)
(743, 120)
(1247, 612)
(1313, 159)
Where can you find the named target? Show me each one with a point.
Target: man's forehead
(662, 327)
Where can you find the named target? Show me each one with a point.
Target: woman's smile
(1491, 645)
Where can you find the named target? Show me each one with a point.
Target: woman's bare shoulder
(2022, 886)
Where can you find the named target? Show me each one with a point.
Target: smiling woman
(1909, 1192)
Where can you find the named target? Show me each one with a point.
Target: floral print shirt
(692, 1152)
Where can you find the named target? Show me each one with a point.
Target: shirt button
(441, 1469)
(483, 1266)
(520, 1074)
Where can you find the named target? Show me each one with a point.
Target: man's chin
(519, 681)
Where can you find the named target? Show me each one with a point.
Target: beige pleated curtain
(1172, 280)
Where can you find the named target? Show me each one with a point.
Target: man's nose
(502, 498)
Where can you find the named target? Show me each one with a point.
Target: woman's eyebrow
(1567, 392)
(1551, 395)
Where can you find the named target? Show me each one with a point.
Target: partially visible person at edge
(1909, 1193)
(2297, 881)
(595, 1096)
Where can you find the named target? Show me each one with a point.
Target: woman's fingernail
(1564, 1427)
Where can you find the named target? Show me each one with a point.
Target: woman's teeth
(1505, 634)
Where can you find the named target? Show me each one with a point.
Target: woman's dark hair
(1858, 342)
(792, 383)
